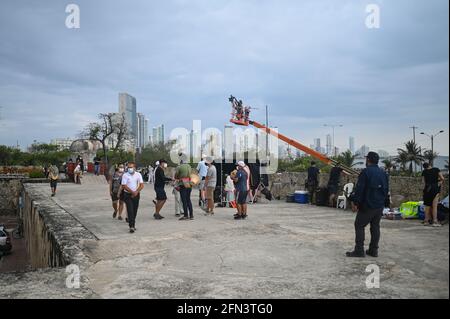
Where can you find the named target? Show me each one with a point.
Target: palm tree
(430, 156)
(388, 164)
(402, 159)
(413, 154)
(348, 159)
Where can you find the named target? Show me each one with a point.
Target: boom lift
(241, 116)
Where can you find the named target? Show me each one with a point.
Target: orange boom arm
(293, 143)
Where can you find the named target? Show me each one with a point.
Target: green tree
(388, 164)
(348, 159)
(430, 156)
(5, 155)
(43, 148)
(412, 153)
(152, 153)
(402, 159)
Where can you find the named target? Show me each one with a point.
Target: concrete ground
(283, 250)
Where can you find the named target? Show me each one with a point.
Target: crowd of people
(371, 196)
(368, 200)
(126, 185)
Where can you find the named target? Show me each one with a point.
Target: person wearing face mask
(368, 201)
(160, 183)
(115, 190)
(132, 184)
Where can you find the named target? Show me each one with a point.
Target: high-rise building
(351, 144)
(127, 107)
(336, 151)
(158, 134)
(142, 130)
(329, 145)
(364, 150)
(317, 144)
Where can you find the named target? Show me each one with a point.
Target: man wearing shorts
(210, 185)
(53, 175)
(241, 179)
(115, 189)
(160, 183)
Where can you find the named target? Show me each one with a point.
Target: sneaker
(158, 216)
(436, 225)
(177, 215)
(371, 253)
(119, 218)
(355, 254)
(53, 195)
(191, 218)
(184, 218)
(238, 217)
(126, 220)
(114, 214)
(131, 230)
(244, 216)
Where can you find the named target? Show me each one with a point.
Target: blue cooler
(422, 212)
(301, 197)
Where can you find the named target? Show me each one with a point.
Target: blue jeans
(97, 169)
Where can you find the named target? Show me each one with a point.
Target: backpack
(116, 182)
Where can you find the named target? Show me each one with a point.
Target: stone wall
(54, 237)
(10, 187)
(403, 188)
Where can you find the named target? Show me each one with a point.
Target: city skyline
(382, 81)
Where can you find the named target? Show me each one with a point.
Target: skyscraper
(127, 106)
(142, 131)
(317, 144)
(158, 134)
(351, 144)
(364, 150)
(329, 146)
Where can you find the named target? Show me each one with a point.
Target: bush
(36, 174)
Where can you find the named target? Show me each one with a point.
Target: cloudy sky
(312, 62)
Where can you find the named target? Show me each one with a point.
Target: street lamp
(333, 126)
(432, 142)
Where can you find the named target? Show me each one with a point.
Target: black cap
(373, 157)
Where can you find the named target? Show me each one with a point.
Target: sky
(312, 62)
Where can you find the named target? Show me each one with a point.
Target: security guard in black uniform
(368, 200)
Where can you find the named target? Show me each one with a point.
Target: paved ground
(282, 251)
(18, 260)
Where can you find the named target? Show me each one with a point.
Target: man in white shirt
(132, 185)
(202, 170)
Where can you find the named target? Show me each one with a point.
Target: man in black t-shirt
(160, 183)
(333, 184)
(433, 180)
(313, 181)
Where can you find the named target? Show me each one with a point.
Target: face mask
(121, 170)
(131, 170)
